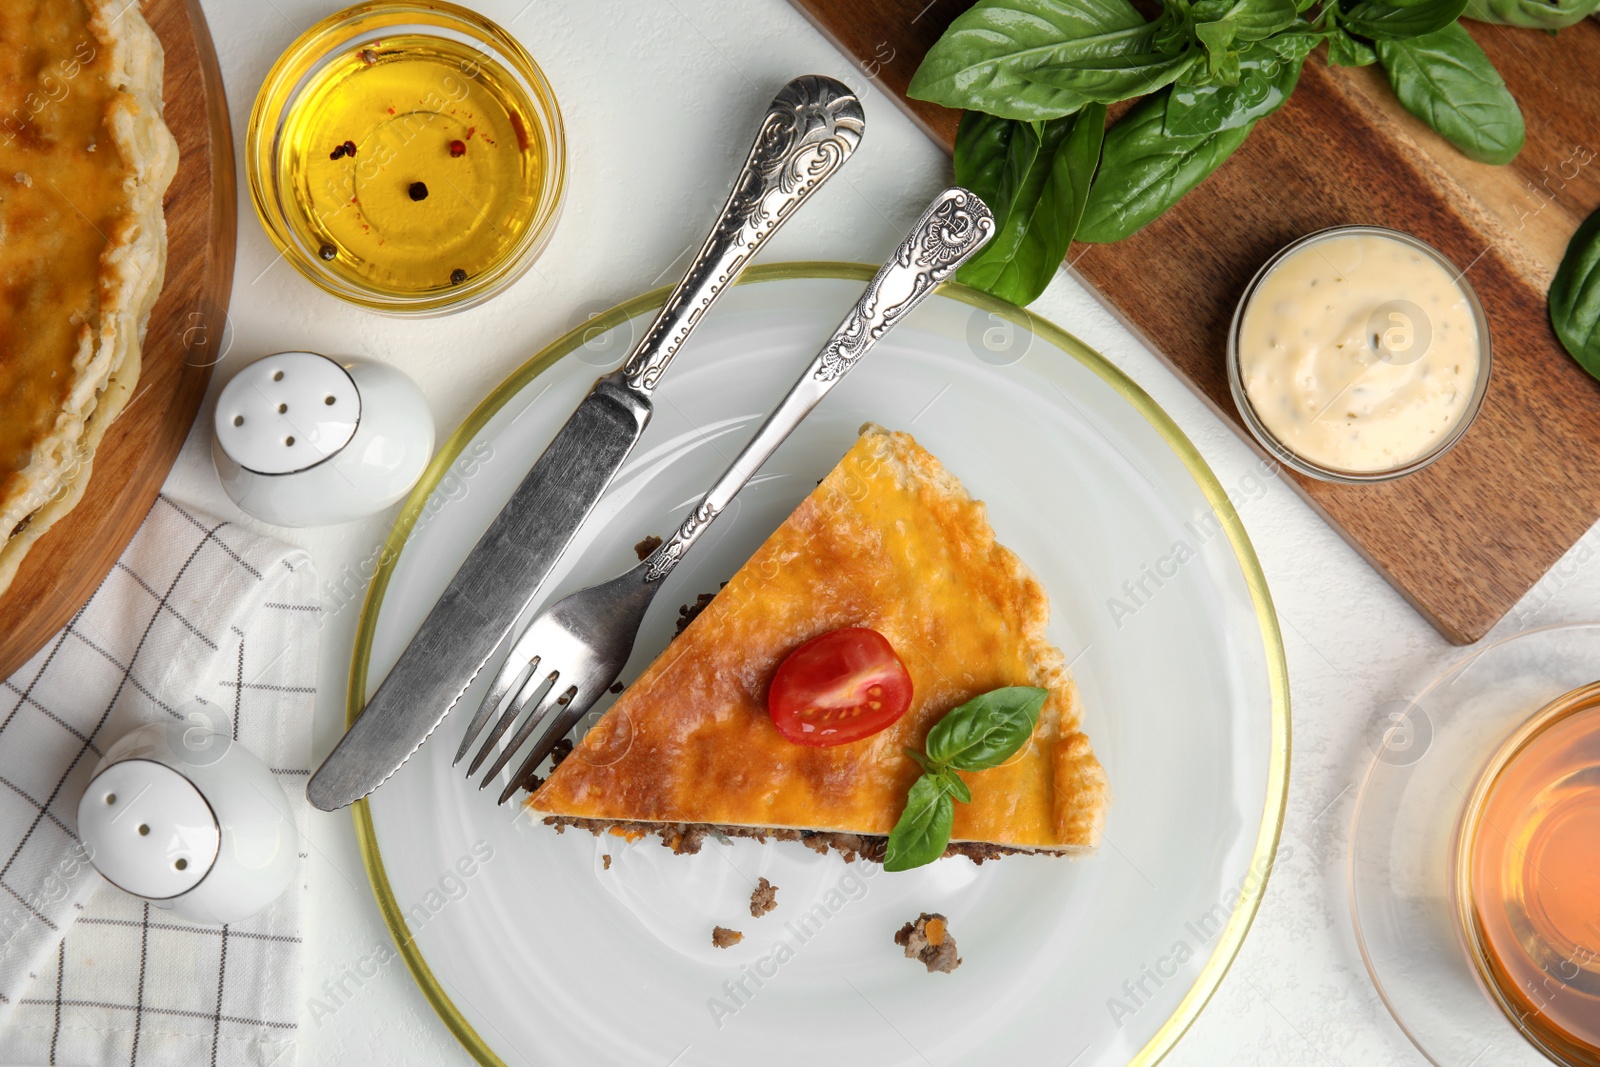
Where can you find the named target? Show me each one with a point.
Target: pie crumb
(764, 899)
(605, 860)
(928, 939)
(687, 613)
(647, 546)
(722, 937)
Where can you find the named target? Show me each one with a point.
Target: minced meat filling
(763, 899)
(686, 838)
(928, 939)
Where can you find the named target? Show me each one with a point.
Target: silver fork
(574, 649)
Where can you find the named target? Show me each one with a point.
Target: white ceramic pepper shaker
(190, 820)
(305, 440)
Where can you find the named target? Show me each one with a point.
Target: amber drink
(1528, 878)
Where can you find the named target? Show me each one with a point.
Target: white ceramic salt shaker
(190, 820)
(305, 440)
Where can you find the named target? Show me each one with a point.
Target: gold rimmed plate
(1157, 598)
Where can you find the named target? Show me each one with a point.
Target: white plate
(540, 955)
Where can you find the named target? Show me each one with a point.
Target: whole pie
(890, 541)
(84, 161)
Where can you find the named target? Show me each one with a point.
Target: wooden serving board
(184, 339)
(1465, 539)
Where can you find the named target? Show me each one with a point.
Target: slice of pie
(890, 541)
(84, 162)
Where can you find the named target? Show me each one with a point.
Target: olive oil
(412, 164)
(1529, 878)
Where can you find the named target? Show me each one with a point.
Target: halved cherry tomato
(838, 687)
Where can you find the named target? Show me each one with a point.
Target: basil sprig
(1575, 297)
(1035, 75)
(982, 733)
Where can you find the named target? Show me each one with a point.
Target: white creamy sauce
(1359, 352)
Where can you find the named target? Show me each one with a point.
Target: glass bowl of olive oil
(407, 157)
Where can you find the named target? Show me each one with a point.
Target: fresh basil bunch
(982, 733)
(1035, 77)
(1575, 297)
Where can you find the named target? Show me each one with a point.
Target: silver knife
(811, 128)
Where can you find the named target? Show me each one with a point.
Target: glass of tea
(408, 157)
(1474, 864)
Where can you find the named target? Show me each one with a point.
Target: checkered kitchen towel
(88, 975)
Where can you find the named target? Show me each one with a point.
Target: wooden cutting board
(1465, 539)
(185, 338)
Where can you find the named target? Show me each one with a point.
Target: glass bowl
(398, 92)
(1310, 467)
(1431, 754)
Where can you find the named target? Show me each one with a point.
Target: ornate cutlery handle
(811, 128)
(954, 227)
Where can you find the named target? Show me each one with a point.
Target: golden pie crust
(889, 540)
(85, 159)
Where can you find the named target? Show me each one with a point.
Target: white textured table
(657, 99)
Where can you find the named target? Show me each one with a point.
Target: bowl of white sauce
(1358, 354)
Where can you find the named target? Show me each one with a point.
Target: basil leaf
(1376, 19)
(1036, 186)
(1265, 82)
(995, 157)
(1222, 63)
(922, 761)
(1297, 43)
(1111, 79)
(1445, 80)
(1531, 14)
(987, 730)
(1144, 170)
(955, 786)
(923, 830)
(1253, 20)
(1345, 51)
(1575, 297)
(981, 61)
(1174, 31)
(1227, 28)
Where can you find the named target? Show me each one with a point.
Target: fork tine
(558, 729)
(547, 741)
(498, 693)
(504, 723)
(551, 700)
